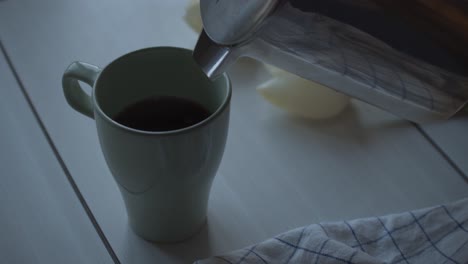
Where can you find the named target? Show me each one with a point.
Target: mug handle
(76, 97)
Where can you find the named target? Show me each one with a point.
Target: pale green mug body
(164, 177)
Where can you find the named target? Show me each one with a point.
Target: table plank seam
(444, 155)
(61, 162)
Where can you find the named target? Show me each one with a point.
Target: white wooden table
(59, 203)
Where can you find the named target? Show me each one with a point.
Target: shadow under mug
(164, 177)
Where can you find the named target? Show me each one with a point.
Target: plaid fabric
(432, 235)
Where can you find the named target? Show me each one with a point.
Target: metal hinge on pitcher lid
(229, 22)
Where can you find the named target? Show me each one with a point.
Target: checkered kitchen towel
(432, 235)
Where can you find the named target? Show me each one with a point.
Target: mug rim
(220, 109)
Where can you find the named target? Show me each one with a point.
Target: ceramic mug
(164, 177)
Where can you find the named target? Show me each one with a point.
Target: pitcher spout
(214, 59)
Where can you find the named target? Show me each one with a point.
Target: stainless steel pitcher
(409, 57)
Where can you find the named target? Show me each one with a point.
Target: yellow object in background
(192, 16)
(302, 97)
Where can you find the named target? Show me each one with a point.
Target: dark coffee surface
(162, 113)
